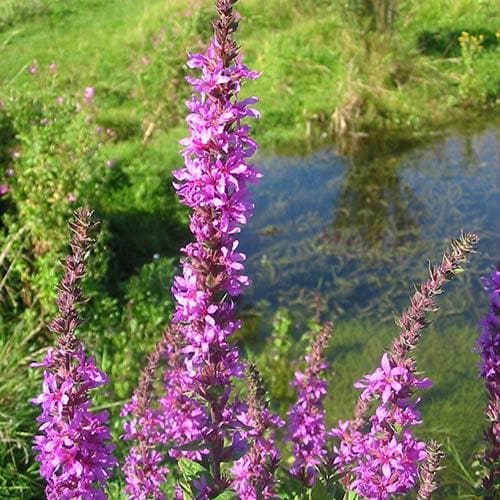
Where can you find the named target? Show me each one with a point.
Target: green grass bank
(329, 68)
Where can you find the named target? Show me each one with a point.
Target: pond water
(352, 236)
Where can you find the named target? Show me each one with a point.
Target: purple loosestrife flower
(182, 416)
(213, 183)
(254, 473)
(384, 460)
(89, 94)
(144, 471)
(307, 430)
(380, 457)
(488, 346)
(72, 447)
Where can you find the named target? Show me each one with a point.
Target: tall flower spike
(73, 450)
(254, 473)
(213, 183)
(413, 320)
(144, 472)
(429, 470)
(307, 430)
(488, 346)
(380, 457)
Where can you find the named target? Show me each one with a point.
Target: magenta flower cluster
(488, 346)
(144, 468)
(383, 460)
(72, 447)
(254, 473)
(380, 457)
(307, 428)
(75, 459)
(213, 184)
(196, 406)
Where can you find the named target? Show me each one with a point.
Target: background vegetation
(350, 71)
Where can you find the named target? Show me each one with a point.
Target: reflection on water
(360, 232)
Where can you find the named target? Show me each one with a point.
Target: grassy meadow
(330, 73)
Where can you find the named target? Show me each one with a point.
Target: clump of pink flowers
(89, 94)
(144, 468)
(193, 414)
(213, 183)
(197, 405)
(73, 445)
(384, 458)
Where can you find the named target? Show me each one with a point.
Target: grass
(302, 48)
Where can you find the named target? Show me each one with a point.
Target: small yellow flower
(463, 38)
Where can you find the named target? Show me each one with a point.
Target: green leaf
(350, 495)
(196, 445)
(319, 492)
(227, 495)
(191, 469)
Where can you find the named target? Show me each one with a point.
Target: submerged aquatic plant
(73, 449)
(488, 347)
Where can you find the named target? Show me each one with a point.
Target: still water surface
(358, 234)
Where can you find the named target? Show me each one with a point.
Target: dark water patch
(359, 233)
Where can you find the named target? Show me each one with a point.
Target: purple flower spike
(214, 184)
(307, 429)
(145, 472)
(254, 473)
(379, 457)
(383, 460)
(72, 448)
(488, 347)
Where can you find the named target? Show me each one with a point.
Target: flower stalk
(429, 470)
(213, 183)
(307, 429)
(379, 456)
(144, 472)
(254, 473)
(73, 445)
